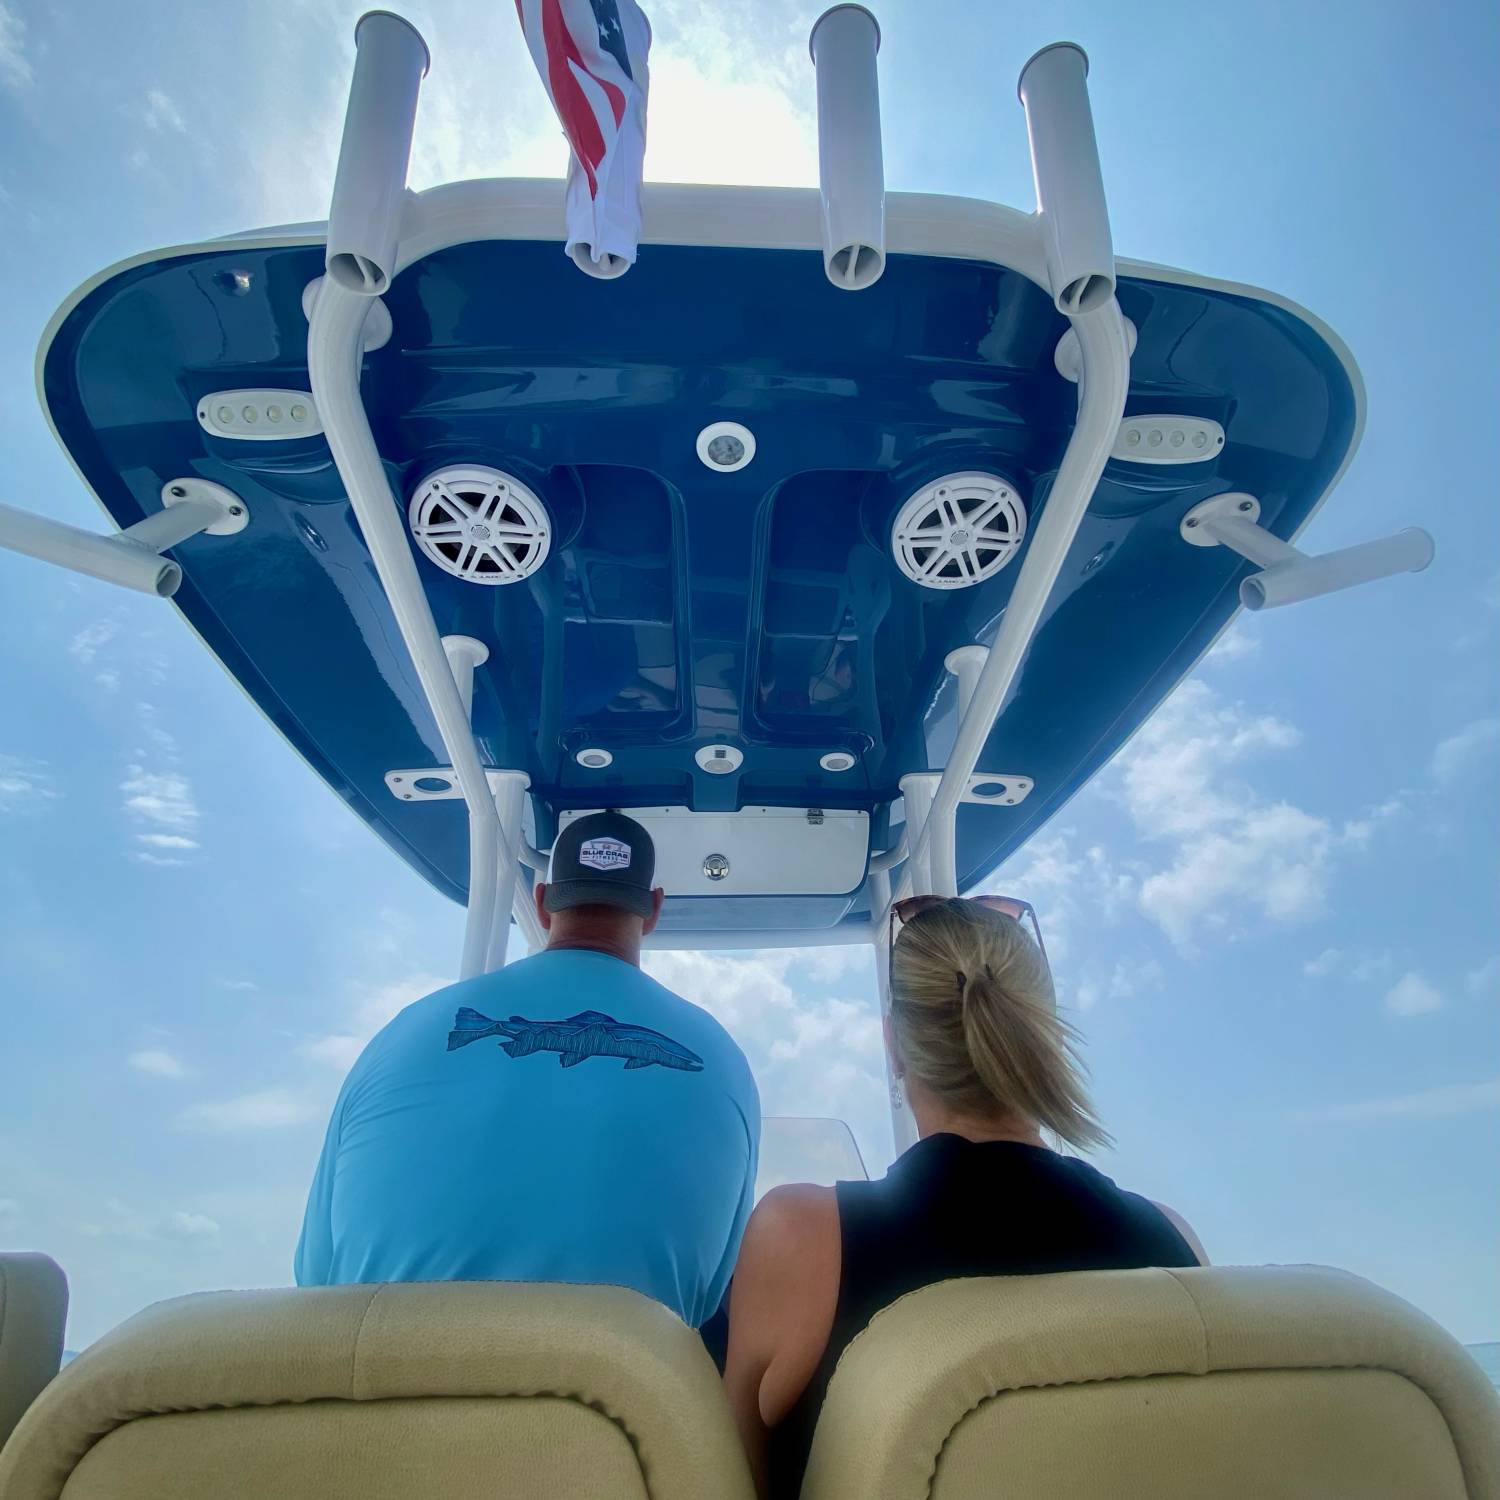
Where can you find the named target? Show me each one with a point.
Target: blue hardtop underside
(678, 606)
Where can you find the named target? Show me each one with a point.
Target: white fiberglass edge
(1102, 388)
(335, 352)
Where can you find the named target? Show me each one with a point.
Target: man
(564, 1119)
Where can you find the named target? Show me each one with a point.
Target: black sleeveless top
(951, 1207)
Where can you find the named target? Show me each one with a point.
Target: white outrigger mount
(376, 228)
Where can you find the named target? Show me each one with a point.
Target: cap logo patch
(604, 854)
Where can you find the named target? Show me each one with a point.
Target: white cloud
(85, 646)
(15, 68)
(1474, 745)
(1485, 980)
(372, 1006)
(1236, 644)
(120, 1221)
(182, 1225)
(336, 1050)
(157, 1063)
(244, 985)
(811, 1055)
(1231, 854)
(267, 1109)
(1412, 995)
(163, 797)
(1426, 1104)
(24, 784)
(161, 114)
(1347, 964)
(166, 841)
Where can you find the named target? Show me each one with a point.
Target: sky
(1273, 917)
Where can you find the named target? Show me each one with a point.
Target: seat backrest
(33, 1314)
(462, 1389)
(1278, 1383)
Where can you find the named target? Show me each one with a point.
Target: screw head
(1191, 521)
(236, 510)
(1247, 505)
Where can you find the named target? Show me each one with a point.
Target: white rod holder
(128, 558)
(464, 653)
(917, 791)
(966, 663)
(368, 191)
(851, 167)
(1288, 575)
(1071, 209)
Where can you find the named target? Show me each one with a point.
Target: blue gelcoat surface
(679, 606)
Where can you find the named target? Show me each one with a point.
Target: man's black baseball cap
(605, 859)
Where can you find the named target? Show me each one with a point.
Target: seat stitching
(358, 1334)
(1187, 1375)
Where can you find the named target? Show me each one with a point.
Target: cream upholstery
(33, 1312)
(1277, 1383)
(466, 1389)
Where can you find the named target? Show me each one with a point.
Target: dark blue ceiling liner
(680, 606)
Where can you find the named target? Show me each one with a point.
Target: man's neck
(622, 948)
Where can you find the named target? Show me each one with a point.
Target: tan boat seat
(452, 1390)
(33, 1314)
(1236, 1383)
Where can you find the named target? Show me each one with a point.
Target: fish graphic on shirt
(590, 1033)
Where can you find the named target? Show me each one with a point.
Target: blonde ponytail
(976, 1021)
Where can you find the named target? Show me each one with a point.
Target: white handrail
(1101, 402)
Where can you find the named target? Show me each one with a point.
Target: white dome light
(958, 531)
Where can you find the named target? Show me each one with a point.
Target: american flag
(592, 58)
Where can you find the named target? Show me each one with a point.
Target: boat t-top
(839, 536)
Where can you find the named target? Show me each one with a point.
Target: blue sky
(1274, 917)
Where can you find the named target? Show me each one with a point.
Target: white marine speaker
(958, 531)
(480, 524)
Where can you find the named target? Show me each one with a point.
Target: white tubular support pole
(917, 791)
(364, 223)
(903, 1126)
(851, 168)
(1073, 216)
(334, 352)
(1101, 403)
(510, 790)
(464, 653)
(128, 558)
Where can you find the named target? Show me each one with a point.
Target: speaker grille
(958, 531)
(480, 524)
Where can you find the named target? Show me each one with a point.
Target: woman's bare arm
(1185, 1229)
(781, 1309)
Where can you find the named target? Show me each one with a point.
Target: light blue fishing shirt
(565, 1119)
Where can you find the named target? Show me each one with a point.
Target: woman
(987, 1065)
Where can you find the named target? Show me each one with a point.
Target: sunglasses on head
(912, 907)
